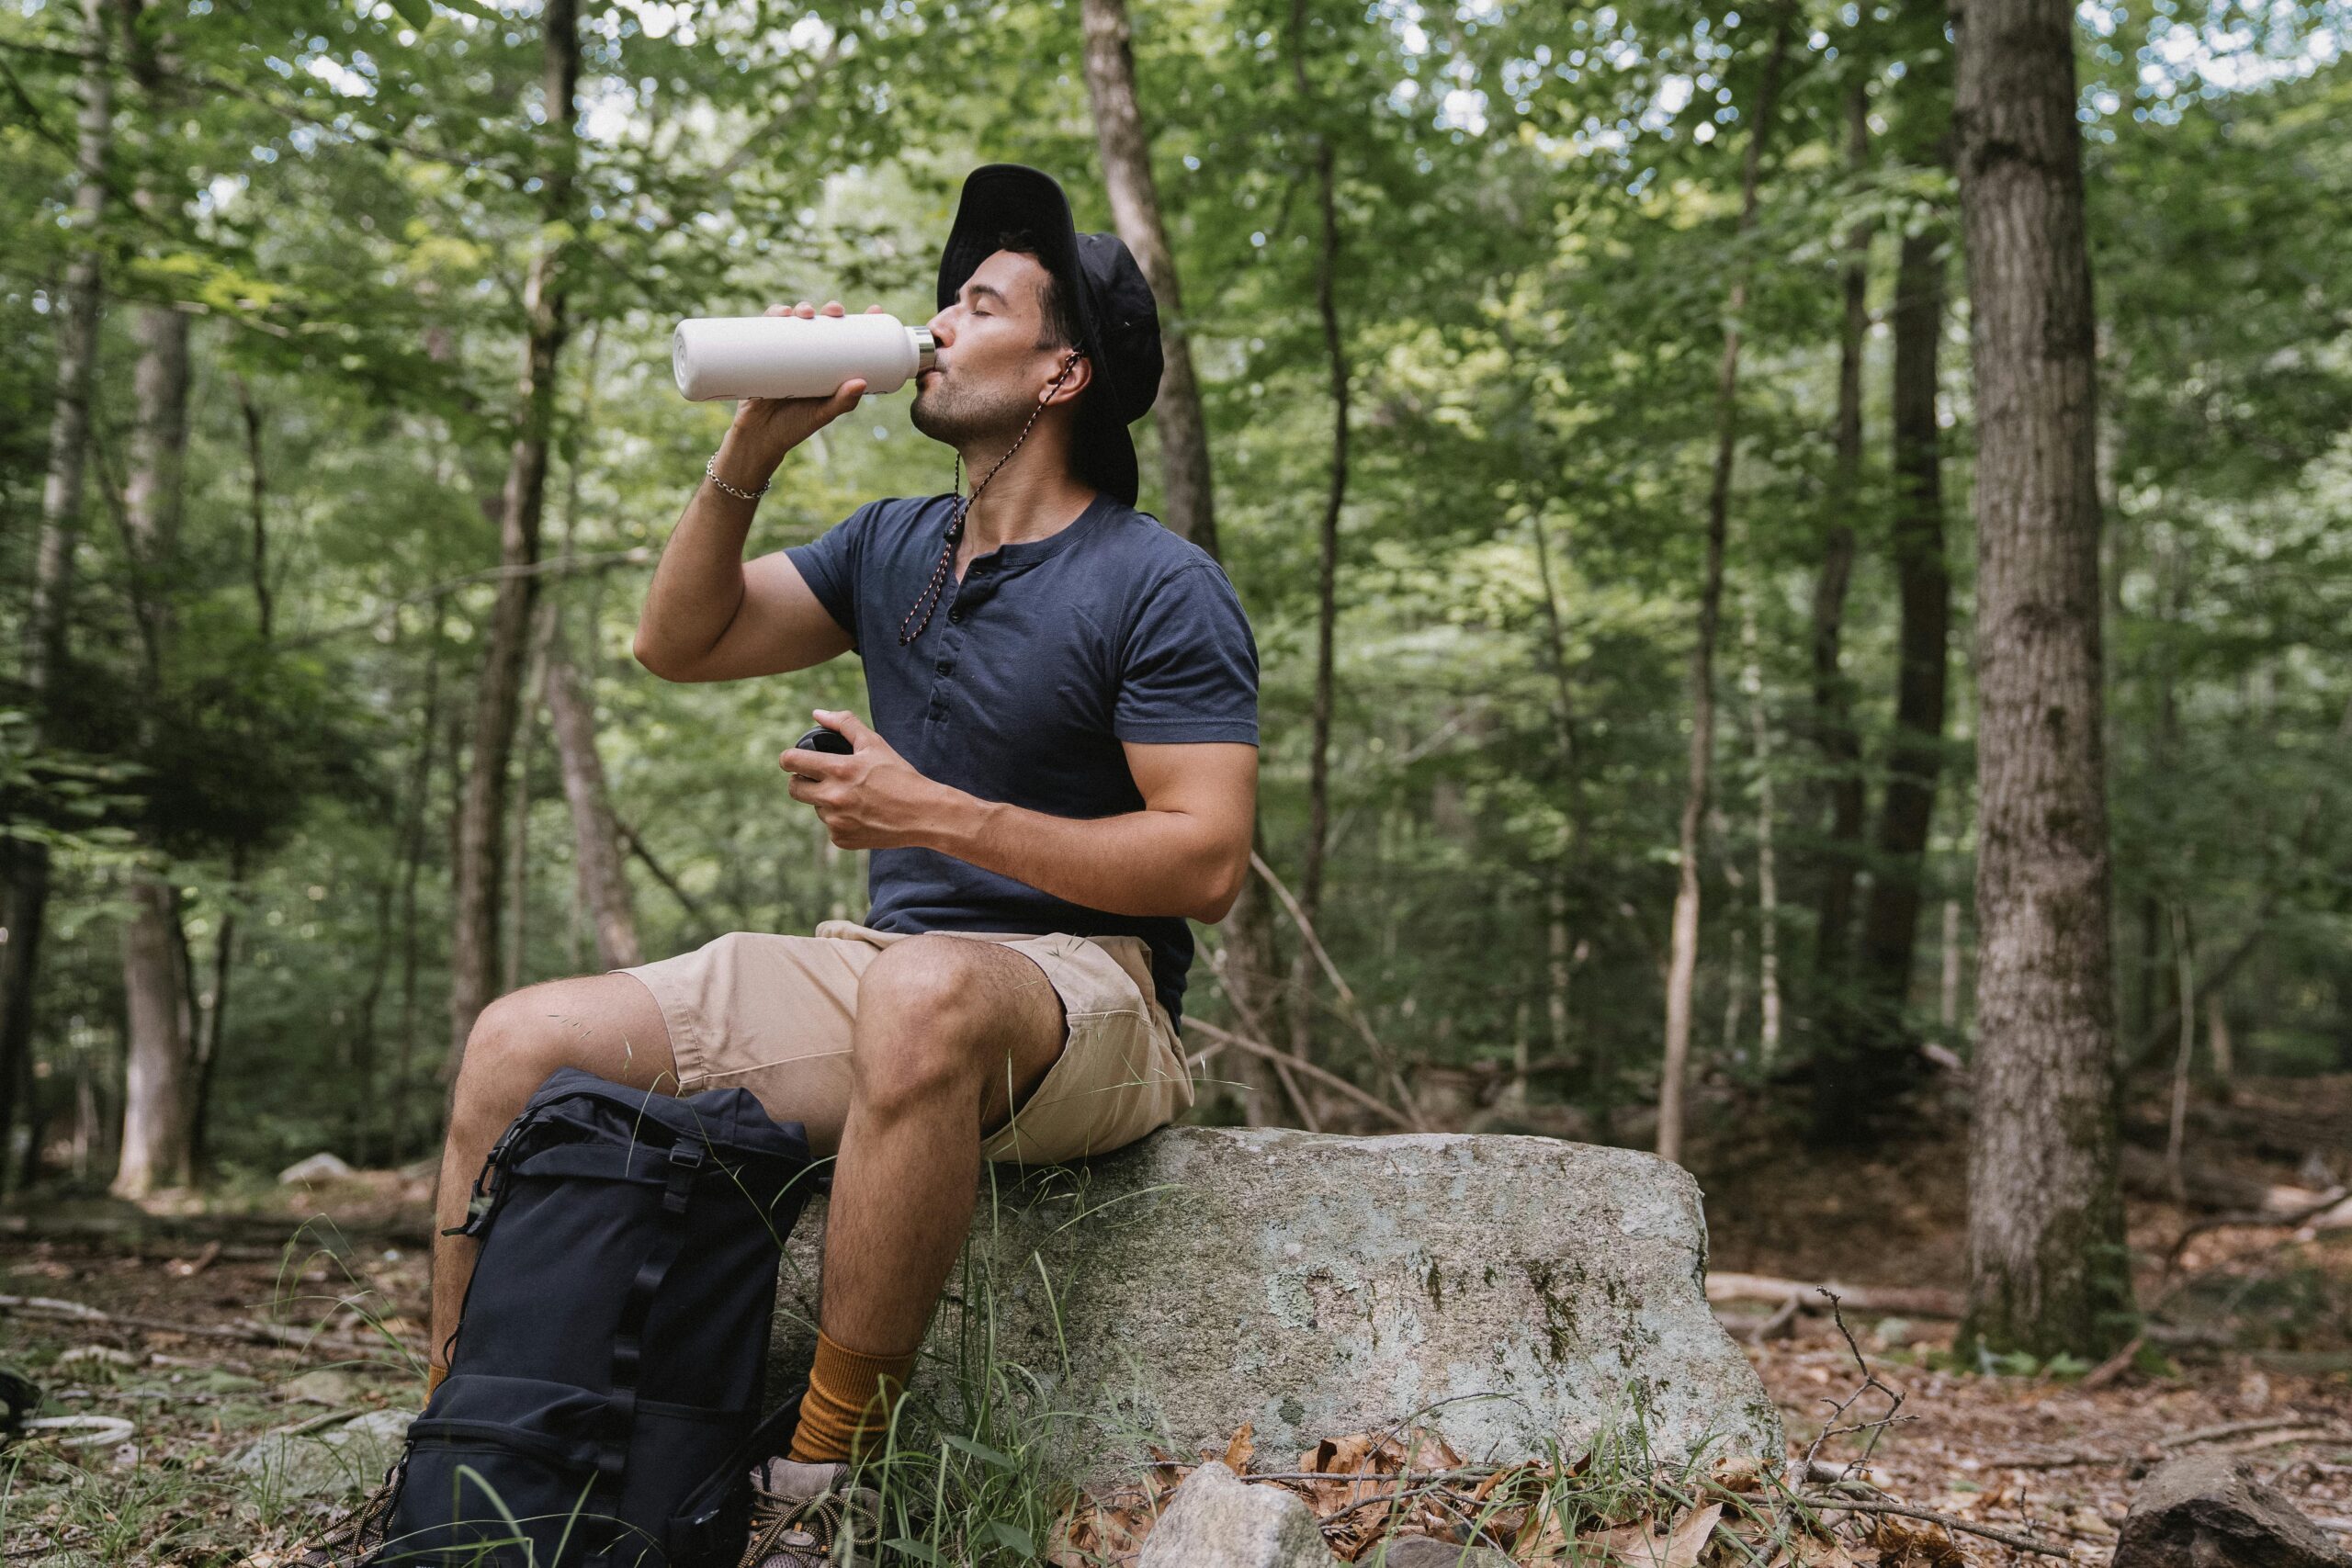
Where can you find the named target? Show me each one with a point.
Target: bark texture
(1188, 495)
(2047, 1266)
(1682, 953)
(474, 951)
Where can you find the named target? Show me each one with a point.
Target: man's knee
(516, 1043)
(925, 1017)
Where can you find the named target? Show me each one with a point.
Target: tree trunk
(1560, 939)
(1318, 757)
(2047, 1266)
(1768, 871)
(1871, 1056)
(157, 1084)
(603, 877)
(159, 1088)
(1682, 962)
(27, 864)
(1188, 497)
(474, 957)
(1833, 695)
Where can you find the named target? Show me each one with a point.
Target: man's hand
(768, 428)
(871, 799)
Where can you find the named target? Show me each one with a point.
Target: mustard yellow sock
(848, 1400)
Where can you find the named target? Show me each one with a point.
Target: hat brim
(1003, 197)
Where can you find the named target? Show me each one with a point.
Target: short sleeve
(1190, 669)
(829, 565)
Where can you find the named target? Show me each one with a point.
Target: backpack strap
(686, 1162)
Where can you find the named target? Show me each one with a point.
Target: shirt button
(955, 615)
(945, 666)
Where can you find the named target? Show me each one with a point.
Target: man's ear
(1081, 375)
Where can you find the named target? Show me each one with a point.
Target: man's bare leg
(951, 1034)
(607, 1024)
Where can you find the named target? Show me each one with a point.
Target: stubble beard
(966, 417)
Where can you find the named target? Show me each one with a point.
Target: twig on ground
(1865, 1506)
(2115, 1366)
(1778, 1324)
(1877, 1429)
(243, 1331)
(2231, 1429)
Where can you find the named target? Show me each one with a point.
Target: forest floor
(2260, 1360)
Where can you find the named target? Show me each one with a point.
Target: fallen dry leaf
(1238, 1451)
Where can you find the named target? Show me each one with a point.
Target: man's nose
(941, 328)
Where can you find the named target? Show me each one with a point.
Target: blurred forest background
(1560, 383)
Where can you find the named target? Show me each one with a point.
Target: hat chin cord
(928, 602)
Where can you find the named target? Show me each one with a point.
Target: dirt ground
(2259, 1360)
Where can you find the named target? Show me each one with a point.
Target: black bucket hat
(1118, 323)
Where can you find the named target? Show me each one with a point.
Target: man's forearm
(698, 583)
(1138, 862)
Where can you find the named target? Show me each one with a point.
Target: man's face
(993, 361)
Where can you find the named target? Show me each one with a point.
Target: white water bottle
(794, 357)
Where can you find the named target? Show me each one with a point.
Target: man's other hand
(871, 799)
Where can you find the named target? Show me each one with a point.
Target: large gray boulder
(2207, 1510)
(1508, 1294)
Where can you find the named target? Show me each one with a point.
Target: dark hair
(1060, 320)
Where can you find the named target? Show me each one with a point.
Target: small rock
(1424, 1551)
(324, 1386)
(348, 1458)
(1217, 1520)
(2211, 1509)
(321, 1167)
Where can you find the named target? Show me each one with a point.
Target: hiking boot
(347, 1542)
(809, 1515)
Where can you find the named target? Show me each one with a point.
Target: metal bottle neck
(925, 350)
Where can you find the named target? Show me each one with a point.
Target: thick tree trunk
(2047, 1266)
(158, 1083)
(1683, 960)
(603, 878)
(1188, 497)
(1833, 696)
(474, 957)
(159, 1088)
(27, 864)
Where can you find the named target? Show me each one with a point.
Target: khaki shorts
(773, 1014)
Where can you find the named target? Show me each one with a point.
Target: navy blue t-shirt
(1035, 667)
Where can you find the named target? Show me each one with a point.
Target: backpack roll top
(608, 1364)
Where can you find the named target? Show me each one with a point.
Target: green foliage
(1537, 213)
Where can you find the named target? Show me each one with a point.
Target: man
(1064, 705)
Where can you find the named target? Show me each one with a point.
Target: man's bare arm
(1185, 852)
(709, 616)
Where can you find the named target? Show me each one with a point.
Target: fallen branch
(2231, 1429)
(1330, 1079)
(1349, 1006)
(1909, 1301)
(2016, 1542)
(242, 1331)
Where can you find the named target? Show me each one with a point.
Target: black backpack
(602, 1404)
